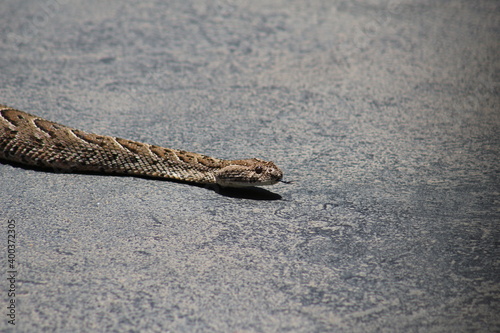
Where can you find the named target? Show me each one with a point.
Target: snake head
(250, 172)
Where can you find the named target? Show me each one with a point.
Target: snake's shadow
(251, 193)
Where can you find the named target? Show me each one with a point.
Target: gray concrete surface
(385, 114)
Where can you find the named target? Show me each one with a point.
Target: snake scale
(34, 141)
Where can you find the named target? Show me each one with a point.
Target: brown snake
(33, 141)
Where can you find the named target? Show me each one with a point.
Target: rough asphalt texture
(385, 114)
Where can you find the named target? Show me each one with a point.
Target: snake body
(34, 141)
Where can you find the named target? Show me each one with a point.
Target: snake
(36, 142)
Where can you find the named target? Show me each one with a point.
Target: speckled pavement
(384, 114)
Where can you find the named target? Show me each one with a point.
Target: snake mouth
(269, 182)
(248, 182)
(235, 183)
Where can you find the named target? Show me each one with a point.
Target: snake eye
(258, 170)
